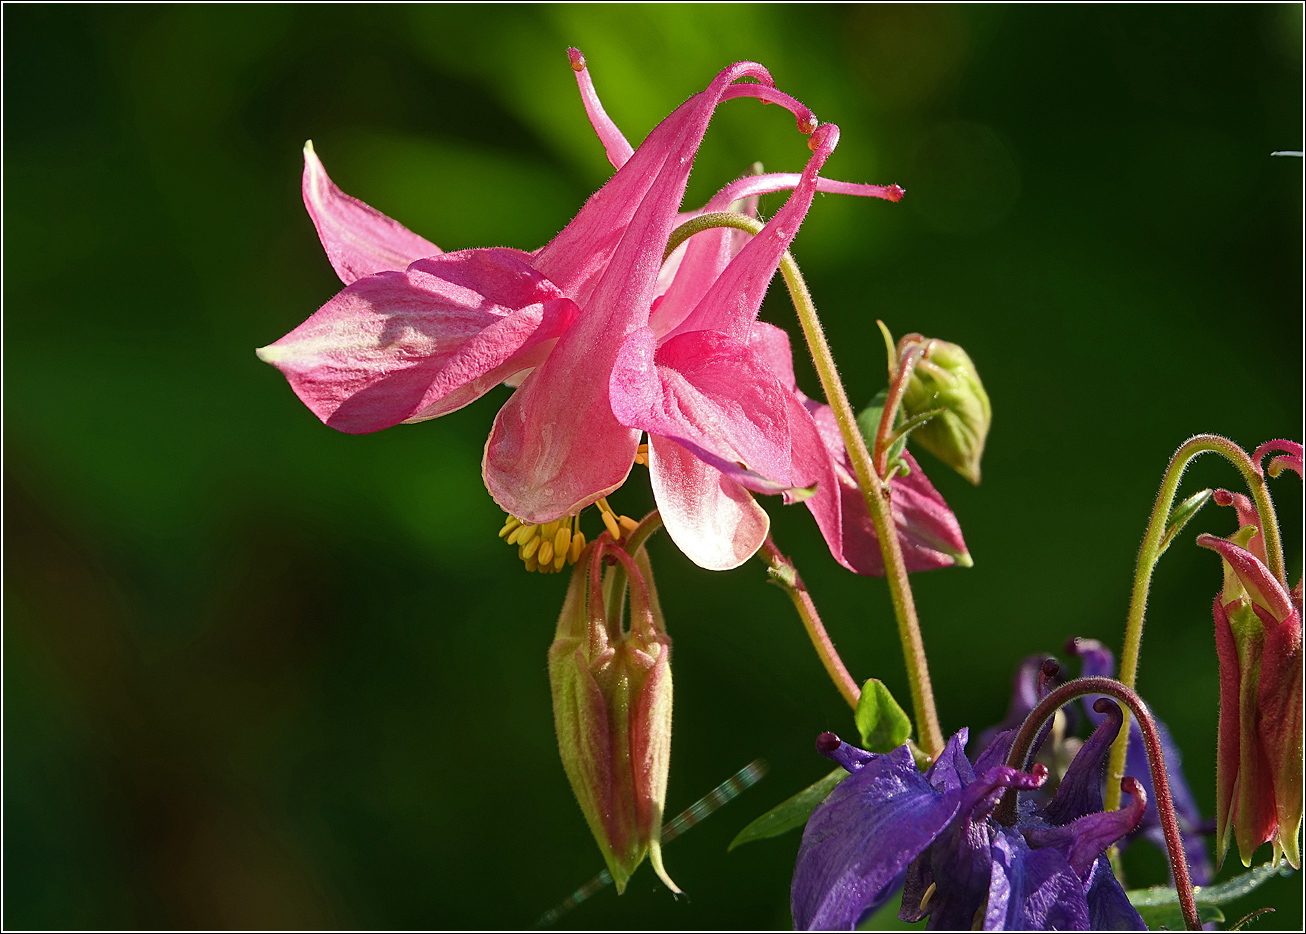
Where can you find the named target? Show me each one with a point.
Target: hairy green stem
(615, 585)
(874, 491)
(785, 574)
(1151, 552)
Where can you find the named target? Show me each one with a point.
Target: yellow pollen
(530, 548)
(641, 455)
(512, 523)
(559, 560)
(610, 523)
(562, 541)
(532, 564)
(628, 524)
(577, 546)
(925, 899)
(545, 553)
(549, 546)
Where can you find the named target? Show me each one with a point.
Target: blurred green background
(261, 674)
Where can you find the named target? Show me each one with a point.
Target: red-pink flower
(1258, 639)
(417, 333)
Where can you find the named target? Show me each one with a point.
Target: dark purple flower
(1098, 661)
(934, 834)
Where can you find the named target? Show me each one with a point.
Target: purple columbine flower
(887, 825)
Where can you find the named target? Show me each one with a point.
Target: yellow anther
(577, 546)
(610, 523)
(628, 524)
(929, 893)
(562, 540)
(508, 526)
(545, 553)
(559, 560)
(529, 549)
(641, 455)
(532, 564)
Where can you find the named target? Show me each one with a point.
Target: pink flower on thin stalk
(418, 333)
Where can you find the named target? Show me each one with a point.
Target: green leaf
(868, 422)
(790, 813)
(883, 724)
(1180, 515)
(1159, 905)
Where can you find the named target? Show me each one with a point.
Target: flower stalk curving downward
(1021, 754)
(1151, 550)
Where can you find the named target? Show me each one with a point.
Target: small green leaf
(790, 813)
(1159, 905)
(868, 422)
(1180, 515)
(917, 421)
(883, 724)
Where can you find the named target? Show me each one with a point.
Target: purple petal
(411, 345)
(1080, 791)
(359, 240)
(1032, 890)
(710, 517)
(859, 841)
(1083, 840)
(1109, 908)
(952, 771)
(960, 858)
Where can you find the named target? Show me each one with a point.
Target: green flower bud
(946, 378)
(612, 707)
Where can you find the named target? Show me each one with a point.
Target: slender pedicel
(785, 574)
(1150, 553)
(1023, 746)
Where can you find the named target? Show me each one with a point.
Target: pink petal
(411, 345)
(1292, 456)
(1255, 577)
(714, 396)
(614, 143)
(556, 446)
(928, 531)
(359, 240)
(711, 518)
(1247, 516)
(732, 303)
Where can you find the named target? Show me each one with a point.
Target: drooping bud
(612, 705)
(945, 378)
(1258, 640)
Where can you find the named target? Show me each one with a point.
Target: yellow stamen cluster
(641, 456)
(551, 546)
(546, 548)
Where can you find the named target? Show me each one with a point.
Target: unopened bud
(946, 379)
(612, 708)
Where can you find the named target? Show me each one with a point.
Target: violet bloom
(417, 333)
(887, 825)
(1100, 662)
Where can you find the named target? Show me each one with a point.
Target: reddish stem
(1022, 749)
(906, 366)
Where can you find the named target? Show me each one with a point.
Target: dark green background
(259, 673)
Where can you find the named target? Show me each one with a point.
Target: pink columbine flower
(417, 333)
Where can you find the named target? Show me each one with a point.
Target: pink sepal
(359, 240)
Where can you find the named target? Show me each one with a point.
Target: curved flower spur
(418, 333)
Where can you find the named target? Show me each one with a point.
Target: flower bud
(1258, 640)
(612, 706)
(945, 378)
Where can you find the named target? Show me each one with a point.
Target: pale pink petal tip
(358, 239)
